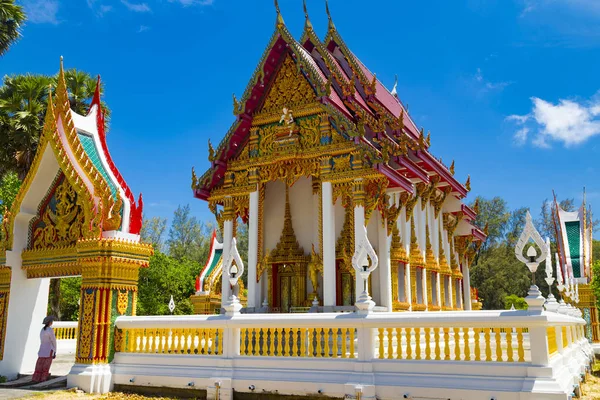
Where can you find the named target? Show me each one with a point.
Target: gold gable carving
(290, 89)
(63, 226)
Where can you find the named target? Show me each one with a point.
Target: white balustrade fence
(450, 355)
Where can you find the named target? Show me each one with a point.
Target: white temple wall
(273, 211)
(303, 212)
(28, 301)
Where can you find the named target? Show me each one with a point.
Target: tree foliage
(515, 301)
(153, 232)
(11, 19)
(165, 277)
(23, 103)
(9, 187)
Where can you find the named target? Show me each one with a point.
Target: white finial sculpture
(551, 303)
(360, 261)
(234, 267)
(559, 274)
(534, 300)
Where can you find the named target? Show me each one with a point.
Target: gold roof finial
(331, 25)
(451, 169)
(280, 22)
(62, 93)
(468, 183)
(308, 23)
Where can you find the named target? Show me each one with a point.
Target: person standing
(47, 351)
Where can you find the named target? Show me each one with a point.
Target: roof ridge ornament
(331, 26)
(394, 91)
(308, 23)
(280, 23)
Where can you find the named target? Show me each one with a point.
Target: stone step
(56, 382)
(23, 380)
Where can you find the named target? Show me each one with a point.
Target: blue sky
(508, 88)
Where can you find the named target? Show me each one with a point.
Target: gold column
(110, 270)
(413, 286)
(394, 282)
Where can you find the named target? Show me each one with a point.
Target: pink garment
(48, 343)
(42, 369)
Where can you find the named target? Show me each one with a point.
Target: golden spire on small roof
(308, 23)
(331, 25)
(280, 22)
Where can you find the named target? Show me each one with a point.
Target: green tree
(23, 102)
(11, 19)
(516, 301)
(9, 187)
(67, 304)
(165, 277)
(188, 237)
(495, 214)
(153, 231)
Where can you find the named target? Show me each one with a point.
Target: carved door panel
(285, 291)
(345, 291)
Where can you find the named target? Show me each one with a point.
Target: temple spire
(62, 94)
(280, 22)
(331, 25)
(308, 24)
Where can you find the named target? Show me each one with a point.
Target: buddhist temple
(321, 157)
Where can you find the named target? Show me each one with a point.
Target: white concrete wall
(303, 212)
(28, 300)
(273, 212)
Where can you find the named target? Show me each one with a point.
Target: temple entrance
(288, 287)
(74, 215)
(345, 285)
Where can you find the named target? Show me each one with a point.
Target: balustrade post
(231, 342)
(538, 339)
(366, 343)
(559, 339)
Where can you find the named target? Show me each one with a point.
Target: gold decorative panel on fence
(172, 341)
(456, 344)
(298, 342)
(65, 333)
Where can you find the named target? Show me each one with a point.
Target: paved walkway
(60, 367)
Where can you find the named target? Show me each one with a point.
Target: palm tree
(23, 101)
(11, 18)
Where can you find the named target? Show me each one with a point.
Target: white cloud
(143, 28)
(41, 11)
(521, 136)
(99, 9)
(186, 3)
(136, 7)
(568, 122)
(486, 85)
